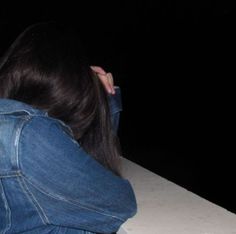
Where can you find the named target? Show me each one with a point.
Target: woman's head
(46, 68)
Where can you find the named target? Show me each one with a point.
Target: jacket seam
(15, 111)
(9, 174)
(60, 198)
(8, 210)
(34, 201)
(17, 138)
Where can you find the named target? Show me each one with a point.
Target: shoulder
(47, 153)
(45, 142)
(44, 126)
(43, 135)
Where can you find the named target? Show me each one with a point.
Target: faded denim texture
(49, 184)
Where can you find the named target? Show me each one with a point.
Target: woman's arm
(72, 189)
(114, 94)
(115, 104)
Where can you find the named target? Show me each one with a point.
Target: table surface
(166, 208)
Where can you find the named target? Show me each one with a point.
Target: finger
(98, 70)
(105, 78)
(111, 81)
(106, 83)
(110, 78)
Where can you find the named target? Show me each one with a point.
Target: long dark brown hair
(46, 67)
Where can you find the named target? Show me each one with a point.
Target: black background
(174, 62)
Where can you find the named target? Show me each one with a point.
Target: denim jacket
(49, 184)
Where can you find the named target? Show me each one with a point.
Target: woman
(59, 158)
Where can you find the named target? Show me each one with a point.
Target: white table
(166, 208)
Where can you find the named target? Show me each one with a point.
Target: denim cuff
(115, 105)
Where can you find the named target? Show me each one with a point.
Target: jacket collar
(9, 106)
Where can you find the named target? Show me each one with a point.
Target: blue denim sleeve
(115, 105)
(68, 187)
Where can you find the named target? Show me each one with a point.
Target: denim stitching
(18, 133)
(15, 111)
(34, 201)
(9, 174)
(71, 201)
(8, 210)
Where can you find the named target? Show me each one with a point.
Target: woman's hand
(105, 78)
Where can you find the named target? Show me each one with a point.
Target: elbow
(125, 206)
(132, 204)
(129, 206)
